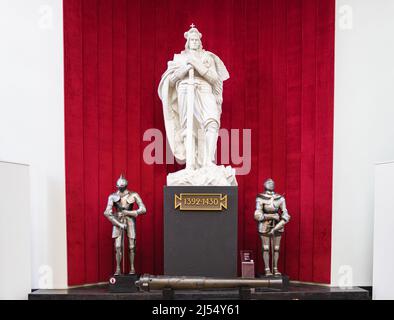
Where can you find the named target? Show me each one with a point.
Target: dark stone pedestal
(168, 294)
(245, 293)
(297, 291)
(200, 243)
(124, 283)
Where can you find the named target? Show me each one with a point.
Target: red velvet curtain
(280, 55)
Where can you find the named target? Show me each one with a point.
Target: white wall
(363, 130)
(383, 246)
(32, 124)
(15, 266)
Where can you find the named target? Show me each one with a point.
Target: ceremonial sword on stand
(123, 263)
(272, 250)
(123, 257)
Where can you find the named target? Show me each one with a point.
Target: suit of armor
(120, 212)
(271, 216)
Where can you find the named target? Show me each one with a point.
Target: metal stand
(124, 283)
(284, 278)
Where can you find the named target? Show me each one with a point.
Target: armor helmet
(269, 184)
(122, 182)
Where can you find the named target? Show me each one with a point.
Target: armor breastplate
(270, 208)
(271, 203)
(125, 201)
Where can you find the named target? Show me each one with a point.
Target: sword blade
(189, 121)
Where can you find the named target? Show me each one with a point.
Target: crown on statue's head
(192, 30)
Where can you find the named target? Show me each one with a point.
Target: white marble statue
(191, 90)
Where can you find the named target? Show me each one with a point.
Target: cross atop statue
(192, 25)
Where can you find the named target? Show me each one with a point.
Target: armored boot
(131, 256)
(268, 272)
(266, 259)
(276, 255)
(118, 262)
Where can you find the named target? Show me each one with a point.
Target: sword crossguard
(191, 74)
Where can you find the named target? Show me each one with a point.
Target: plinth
(124, 283)
(200, 231)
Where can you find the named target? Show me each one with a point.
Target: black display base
(200, 243)
(245, 293)
(168, 294)
(124, 283)
(297, 291)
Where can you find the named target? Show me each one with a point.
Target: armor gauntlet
(285, 217)
(258, 214)
(141, 207)
(285, 214)
(109, 214)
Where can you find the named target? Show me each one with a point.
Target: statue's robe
(207, 101)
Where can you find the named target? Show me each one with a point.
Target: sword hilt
(191, 74)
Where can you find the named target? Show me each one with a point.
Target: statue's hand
(124, 226)
(182, 71)
(190, 61)
(193, 62)
(188, 67)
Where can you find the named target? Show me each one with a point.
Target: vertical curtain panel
(280, 55)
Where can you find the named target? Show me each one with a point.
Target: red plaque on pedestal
(247, 264)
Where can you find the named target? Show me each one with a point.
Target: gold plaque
(200, 201)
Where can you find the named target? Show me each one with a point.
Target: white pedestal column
(15, 255)
(383, 246)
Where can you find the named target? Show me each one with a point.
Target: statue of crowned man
(191, 91)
